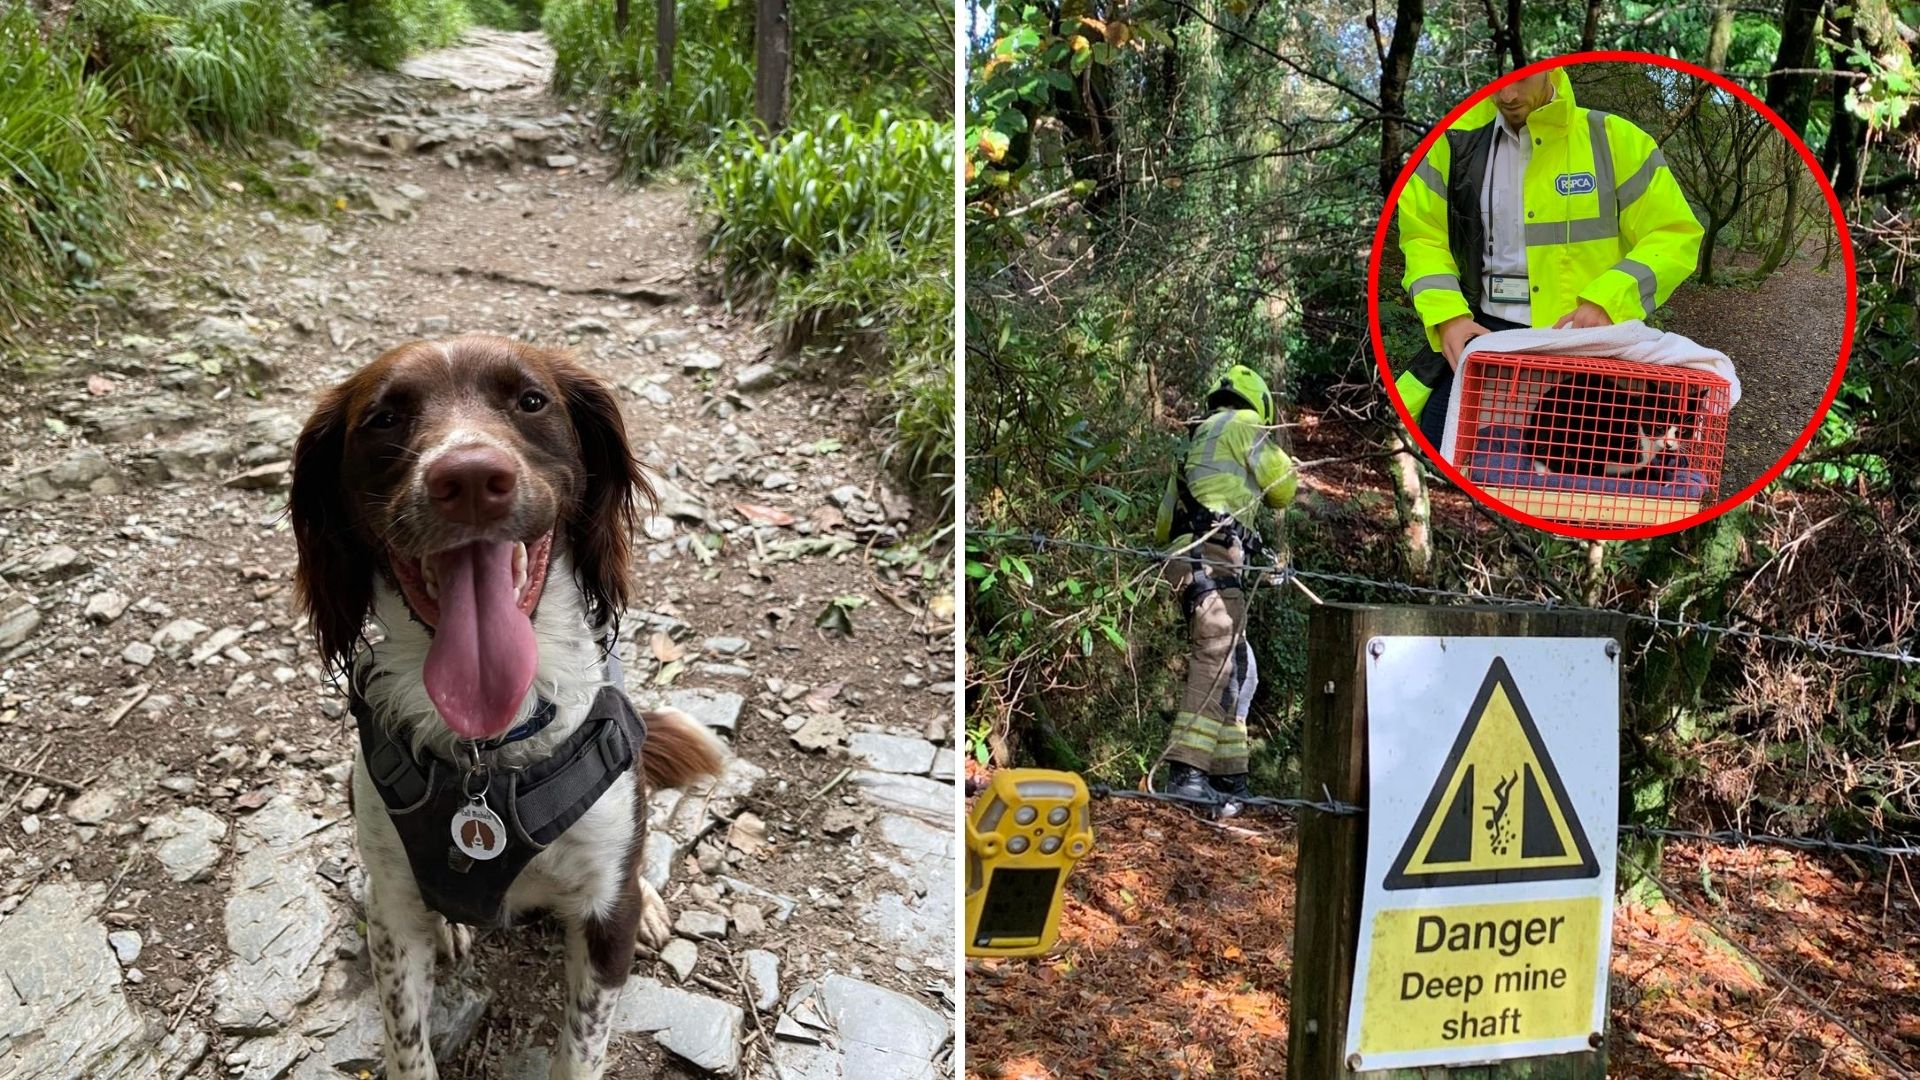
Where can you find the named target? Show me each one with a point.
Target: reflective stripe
(1431, 175)
(1605, 225)
(1433, 281)
(1211, 464)
(1637, 184)
(1643, 274)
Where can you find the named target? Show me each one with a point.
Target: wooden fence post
(1329, 878)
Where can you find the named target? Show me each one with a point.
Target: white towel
(1632, 340)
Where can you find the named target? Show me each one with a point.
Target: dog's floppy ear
(333, 582)
(601, 536)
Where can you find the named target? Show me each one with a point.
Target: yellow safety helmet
(1243, 384)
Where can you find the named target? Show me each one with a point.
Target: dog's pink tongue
(483, 655)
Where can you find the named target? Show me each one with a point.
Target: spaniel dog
(463, 511)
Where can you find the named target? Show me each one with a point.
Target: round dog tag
(478, 831)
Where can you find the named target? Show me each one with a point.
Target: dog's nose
(472, 485)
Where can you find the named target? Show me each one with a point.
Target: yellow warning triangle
(1498, 811)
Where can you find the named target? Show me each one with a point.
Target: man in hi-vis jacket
(1534, 212)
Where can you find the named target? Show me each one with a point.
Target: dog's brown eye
(532, 401)
(383, 419)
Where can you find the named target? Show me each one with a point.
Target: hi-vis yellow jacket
(1605, 220)
(1231, 466)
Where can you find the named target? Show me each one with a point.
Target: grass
(223, 69)
(843, 229)
(62, 187)
(384, 32)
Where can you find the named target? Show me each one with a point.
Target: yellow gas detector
(1027, 831)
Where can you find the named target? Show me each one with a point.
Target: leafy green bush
(506, 14)
(712, 88)
(60, 188)
(225, 69)
(814, 193)
(384, 32)
(588, 56)
(845, 228)
(896, 303)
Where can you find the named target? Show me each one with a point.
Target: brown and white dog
(472, 500)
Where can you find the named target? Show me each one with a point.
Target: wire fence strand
(1727, 838)
(1283, 572)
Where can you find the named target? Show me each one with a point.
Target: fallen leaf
(764, 515)
(820, 698)
(747, 834)
(253, 800)
(99, 385)
(941, 606)
(664, 648)
(669, 673)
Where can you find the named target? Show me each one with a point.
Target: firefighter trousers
(1210, 726)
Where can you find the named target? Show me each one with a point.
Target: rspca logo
(1578, 183)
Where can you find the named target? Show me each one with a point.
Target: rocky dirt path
(1783, 335)
(178, 885)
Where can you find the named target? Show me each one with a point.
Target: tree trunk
(1714, 225)
(664, 31)
(1840, 158)
(1590, 31)
(1719, 36)
(1782, 246)
(620, 16)
(773, 63)
(1515, 46)
(1792, 95)
(1415, 511)
(1407, 23)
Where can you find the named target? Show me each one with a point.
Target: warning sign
(1493, 792)
(1497, 811)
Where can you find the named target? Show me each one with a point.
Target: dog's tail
(679, 749)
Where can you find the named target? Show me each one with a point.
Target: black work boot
(1186, 782)
(1233, 792)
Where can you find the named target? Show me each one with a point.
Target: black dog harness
(533, 805)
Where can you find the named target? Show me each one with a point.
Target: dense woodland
(1160, 189)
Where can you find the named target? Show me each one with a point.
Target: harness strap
(538, 802)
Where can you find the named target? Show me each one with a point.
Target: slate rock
(56, 563)
(918, 795)
(763, 977)
(882, 1035)
(95, 805)
(756, 377)
(65, 1016)
(703, 1030)
(117, 420)
(681, 955)
(279, 924)
(105, 606)
(891, 753)
(18, 620)
(719, 709)
(695, 923)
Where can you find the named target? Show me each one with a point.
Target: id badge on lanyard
(1507, 289)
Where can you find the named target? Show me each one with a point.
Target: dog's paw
(452, 943)
(656, 922)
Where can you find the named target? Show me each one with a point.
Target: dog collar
(526, 729)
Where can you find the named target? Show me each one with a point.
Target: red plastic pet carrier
(1602, 443)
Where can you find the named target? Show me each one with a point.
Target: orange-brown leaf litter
(1177, 940)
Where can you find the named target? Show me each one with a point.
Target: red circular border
(1386, 369)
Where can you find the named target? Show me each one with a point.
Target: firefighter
(1232, 466)
(1532, 211)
